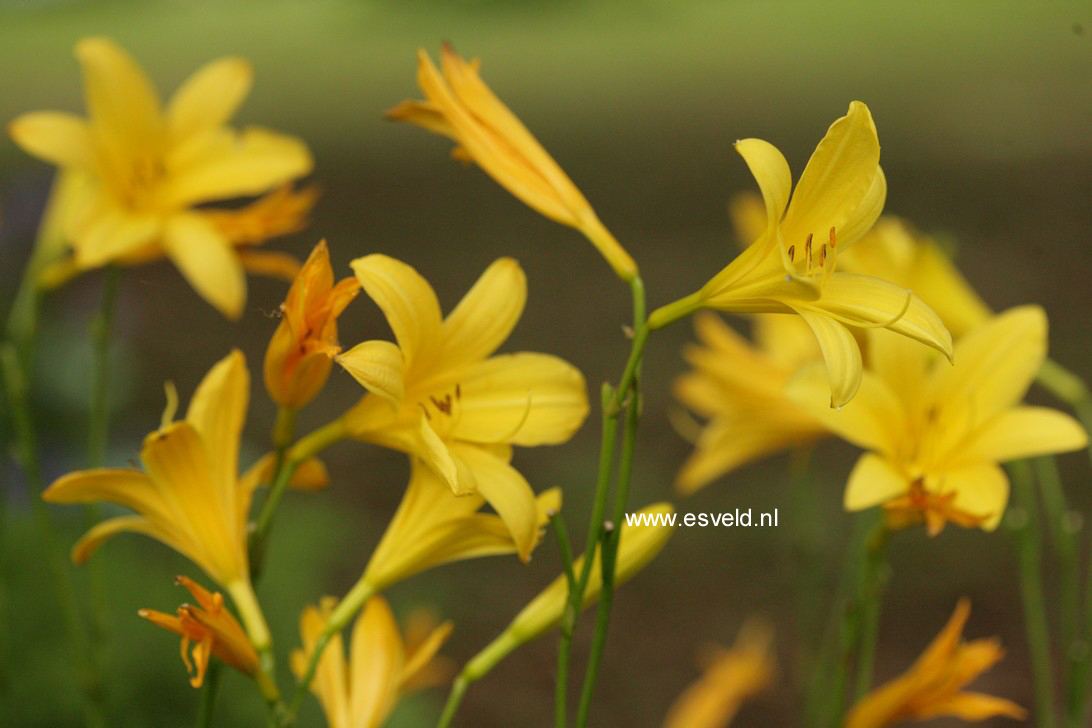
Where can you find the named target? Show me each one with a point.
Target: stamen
(832, 237)
(792, 253)
(822, 255)
(807, 252)
(172, 404)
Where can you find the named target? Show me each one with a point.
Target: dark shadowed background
(984, 111)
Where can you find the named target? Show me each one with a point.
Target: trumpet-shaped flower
(731, 677)
(382, 666)
(460, 106)
(933, 686)
(432, 526)
(298, 359)
(211, 629)
(937, 432)
(791, 267)
(146, 169)
(190, 496)
(441, 397)
(739, 388)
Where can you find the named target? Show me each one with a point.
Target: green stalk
(1028, 544)
(208, 694)
(283, 468)
(458, 690)
(870, 598)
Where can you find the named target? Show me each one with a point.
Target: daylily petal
(109, 232)
(379, 367)
(486, 315)
(940, 284)
(122, 103)
(61, 138)
(872, 482)
(841, 354)
(874, 420)
(839, 175)
(209, 98)
(1023, 432)
(508, 493)
(408, 302)
(981, 490)
(971, 706)
(245, 164)
(864, 217)
(375, 664)
(996, 363)
(207, 261)
(523, 399)
(771, 171)
(269, 263)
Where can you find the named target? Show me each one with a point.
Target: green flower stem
(557, 523)
(210, 690)
(1024, 523)
(672, 312)
(454, 699)
(27, 456)
(869, 600)
(478, 667)
(283, 468)
(808, 563)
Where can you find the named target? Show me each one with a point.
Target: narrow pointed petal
(509, 495)
(249, 163)
(408, 302)
(971, 706)
(874, 420)
(61, 138)
(981, 490)
(108, 233)
(524, 399)
(375, 664)
(100, 532)
(209, 98)
(425, 115)
(838, 177)
(218, 410)
(726, 445)
(771, 171)
(841, 354)
(269, 263)
(129, 488)
(486, 315)
(207, 261)
(121, 101)
(995, 363)
(873, 481)
(1023, 432)
(379, 367)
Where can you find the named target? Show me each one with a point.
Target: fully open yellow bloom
(937, 432)
(145, 169)
(791, 267)
(440, 396)
(933, 686)
(190, 497)
(740, 388)
(211, 629)
(433, 526)
(731, 677)
(382, 665)
(460, 106)
(298, 359)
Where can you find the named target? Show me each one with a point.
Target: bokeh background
(984, 110)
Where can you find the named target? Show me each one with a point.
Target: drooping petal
(771, 171)
(508, 493)
(249, 163)
(873, 481)
(61, 138)
(379, 367)
(524, 399)
(408, 302)
(841, 354)
(375, 664)
(207, 261)
(838, 177)
(159, 529)
(1022, 432)
(209, 98)
(121, 101)
(486, 315)
(994, 364)
(981, 490)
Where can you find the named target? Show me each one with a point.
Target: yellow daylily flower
(731, 676)
(146, 169)
(382, 666)
(790, 268)
(433, 526)
(211, 629)
(739, 388)
(937, 432)
(440, 396)
(190, 496)
(933, 686)
(460, 106)
(298, 359)
(637, 545)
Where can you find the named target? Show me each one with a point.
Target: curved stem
(458, 690)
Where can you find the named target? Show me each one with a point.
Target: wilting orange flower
(731, 677)
(460, 106)
(298, 359)
(211, 629)
(933, 686)
(382, 665)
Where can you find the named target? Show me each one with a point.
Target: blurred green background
(984, 110)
